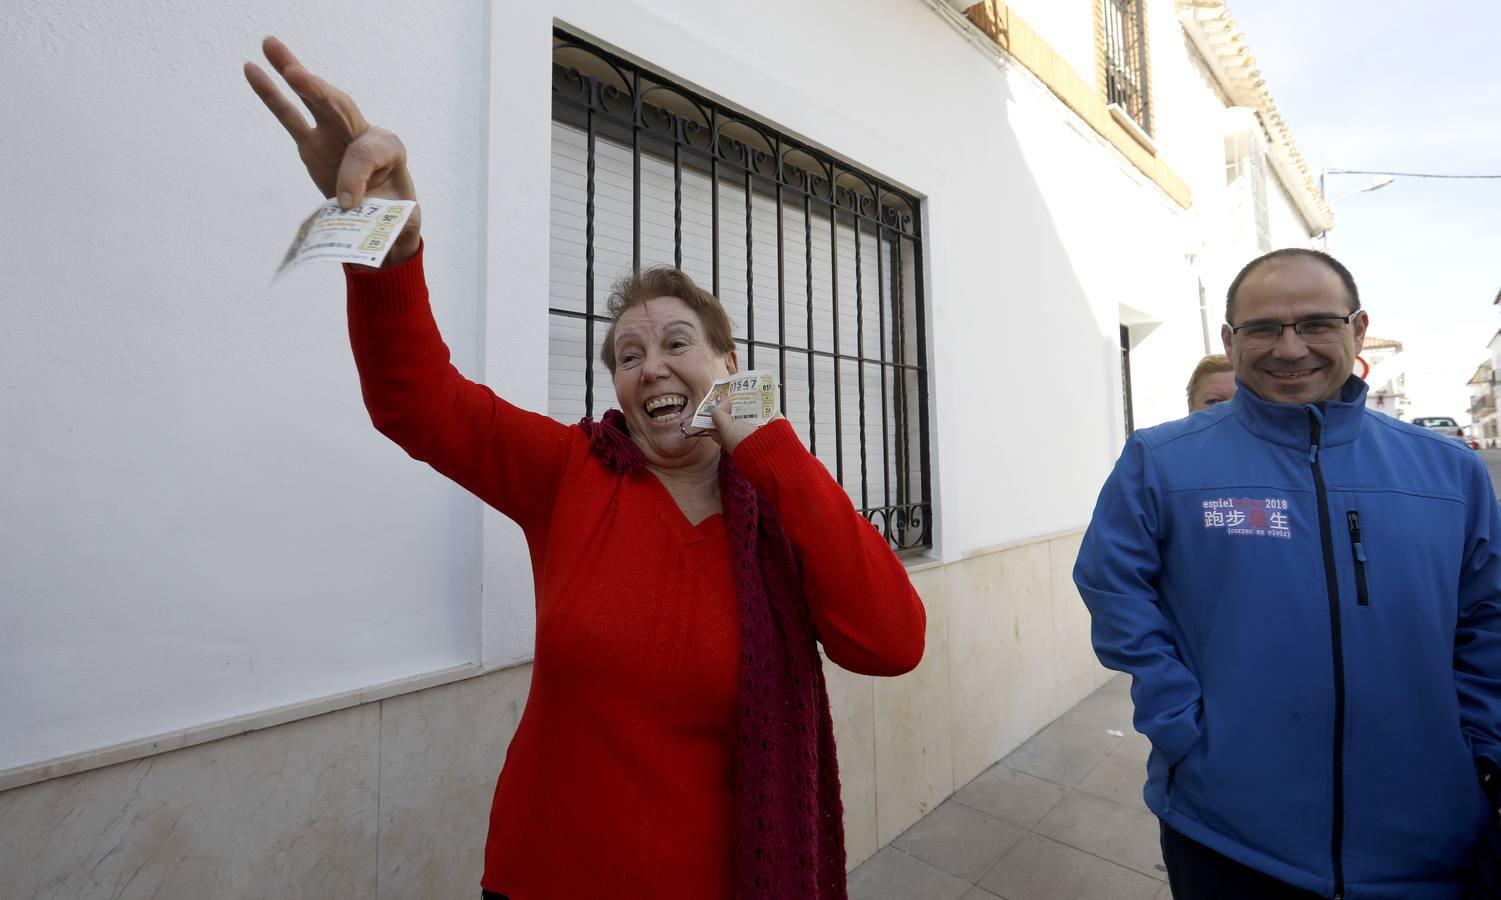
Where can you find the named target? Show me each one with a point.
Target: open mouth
(666, 408)
(1292, 376)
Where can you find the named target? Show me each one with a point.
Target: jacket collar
(1290, 424)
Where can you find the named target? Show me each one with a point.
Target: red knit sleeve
(510, 458)
(869, 618)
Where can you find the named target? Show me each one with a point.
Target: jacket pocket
(1167, 789)
(1357, 548)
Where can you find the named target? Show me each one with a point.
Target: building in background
(978, 242)
(1483, 405)
(1495, 391)
(1387, 376)
(1251, 190)
(1269, 199)
(1485, 424)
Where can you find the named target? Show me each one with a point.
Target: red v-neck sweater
(619, 780)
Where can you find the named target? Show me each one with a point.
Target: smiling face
(664, 365)
(1216, 387)
(1291, 370)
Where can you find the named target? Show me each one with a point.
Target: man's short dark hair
(1285, 253)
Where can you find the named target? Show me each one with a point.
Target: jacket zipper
(1362, 594)
(1326, 537)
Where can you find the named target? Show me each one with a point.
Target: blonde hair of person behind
(1212, 364)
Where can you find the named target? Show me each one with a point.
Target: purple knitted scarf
(789, 839)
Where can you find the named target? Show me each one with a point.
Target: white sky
(1401, 86)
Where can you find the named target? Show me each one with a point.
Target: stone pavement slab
(1061, 818)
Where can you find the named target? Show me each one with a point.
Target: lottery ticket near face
(362, 235)
(752, 396)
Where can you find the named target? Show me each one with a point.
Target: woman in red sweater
(676, 742)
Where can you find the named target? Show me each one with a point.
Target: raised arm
(867, 615)
(510, 458)
(344, 155)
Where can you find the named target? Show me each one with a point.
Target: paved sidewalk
(1061, 818)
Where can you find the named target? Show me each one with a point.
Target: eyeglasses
(1322, 330)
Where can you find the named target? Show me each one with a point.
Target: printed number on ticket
(361, 235)
(752, 396)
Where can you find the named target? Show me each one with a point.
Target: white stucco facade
(197, 522)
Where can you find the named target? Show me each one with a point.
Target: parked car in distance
(1441, 424)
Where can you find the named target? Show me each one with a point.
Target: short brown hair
(635, 288)
(1213, 364)
(1352, 293)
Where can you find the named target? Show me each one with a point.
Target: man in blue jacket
(1307, 595)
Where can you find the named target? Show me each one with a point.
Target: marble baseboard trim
(1021, 542)
(213, 731)
(915, 564)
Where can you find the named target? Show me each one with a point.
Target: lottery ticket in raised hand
(361, 235)
(752, 397)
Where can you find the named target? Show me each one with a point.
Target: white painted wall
(196, 518)
(1067, 26)
(1189, 133)
(1288, 227)
(198, 521)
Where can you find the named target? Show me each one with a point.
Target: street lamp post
(1380, 181)
(1385, 178)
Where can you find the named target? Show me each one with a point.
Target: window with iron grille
(818, 263)
(1125, 52)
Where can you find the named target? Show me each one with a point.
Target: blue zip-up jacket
(1308, 599)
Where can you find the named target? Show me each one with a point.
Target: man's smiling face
(1291, 370)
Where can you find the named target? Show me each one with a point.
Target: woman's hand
(345, 156)
(728, 431)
